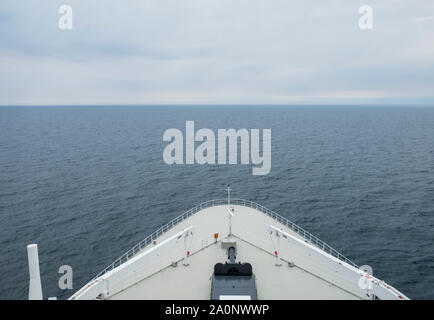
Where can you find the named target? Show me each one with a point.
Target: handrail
(307, 236)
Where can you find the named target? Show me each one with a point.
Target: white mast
(229, 195)
(35, 288)
(229, 210)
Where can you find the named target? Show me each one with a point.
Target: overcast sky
(216, 51)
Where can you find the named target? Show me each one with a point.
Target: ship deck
(304, 268)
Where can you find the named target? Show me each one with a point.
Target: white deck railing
(212, 203)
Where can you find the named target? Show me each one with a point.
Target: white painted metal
(187, 235)
(230, 215)
(229, 195)
(350, 273)
(315, 270)
(120, 277)
(35, 288)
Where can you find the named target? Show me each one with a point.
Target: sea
(86, 183)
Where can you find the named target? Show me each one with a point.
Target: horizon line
(426, 104)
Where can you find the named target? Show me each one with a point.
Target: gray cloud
(216, 51)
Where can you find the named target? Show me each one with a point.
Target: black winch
(233, 280)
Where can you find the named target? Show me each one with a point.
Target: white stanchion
(35, 288)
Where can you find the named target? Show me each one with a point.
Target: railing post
(186, 248)
(278, 263)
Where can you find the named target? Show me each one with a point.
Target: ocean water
(87, 183)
